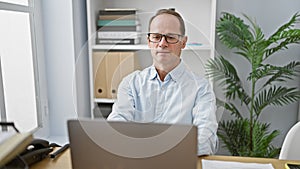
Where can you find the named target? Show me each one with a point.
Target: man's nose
(163, 41)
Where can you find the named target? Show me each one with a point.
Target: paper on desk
(214, 164)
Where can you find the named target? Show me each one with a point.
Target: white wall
(65, 39)
(299, 111)
(60, 64)
(269, 14)
(81, 58)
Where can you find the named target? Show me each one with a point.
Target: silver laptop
(99, 144)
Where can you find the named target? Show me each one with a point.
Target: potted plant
(245, 135)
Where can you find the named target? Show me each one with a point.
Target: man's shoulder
(192, 76)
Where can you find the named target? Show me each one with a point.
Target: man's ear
(184, 41)
(148, 42)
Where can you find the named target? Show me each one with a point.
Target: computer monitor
(129, 145)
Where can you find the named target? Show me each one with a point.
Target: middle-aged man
(167, 91)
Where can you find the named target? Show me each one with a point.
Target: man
(168, 92)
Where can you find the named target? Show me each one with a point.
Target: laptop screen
(128, 145)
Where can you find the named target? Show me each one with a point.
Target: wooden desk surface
(277, 164)
(64, 161)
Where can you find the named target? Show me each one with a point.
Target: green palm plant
(245, 135)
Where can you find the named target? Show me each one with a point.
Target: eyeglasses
(170, 38)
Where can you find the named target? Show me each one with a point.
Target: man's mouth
(163, 52)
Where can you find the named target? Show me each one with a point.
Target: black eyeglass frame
(166, 37)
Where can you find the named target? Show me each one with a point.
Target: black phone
(292, 165)
(36, 151)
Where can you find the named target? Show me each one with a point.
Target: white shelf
(200, 27)
(121, 47)
(104, 100)
(196, 47)
(144, 47)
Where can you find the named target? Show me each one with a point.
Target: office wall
(269, 14)
(299, 112)
(81, 58)
(67, 89)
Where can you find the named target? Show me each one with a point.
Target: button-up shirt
(183, 98)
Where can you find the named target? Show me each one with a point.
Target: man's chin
(164, 59)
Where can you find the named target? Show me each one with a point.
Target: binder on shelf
(113, 76)
(99, 74)
(119, 41)
(109, 69)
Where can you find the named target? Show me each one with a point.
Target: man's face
(163, 52)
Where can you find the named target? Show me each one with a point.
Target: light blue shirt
(183, 97)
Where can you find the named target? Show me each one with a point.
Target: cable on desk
(59, 151)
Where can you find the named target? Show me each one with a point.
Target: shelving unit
(199, 18)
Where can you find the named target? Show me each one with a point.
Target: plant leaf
(256, 49)
(277, 96)
(290, 24)
(230, 107)
(277, 73)
(233, 32)
(262, 140)
(235, 135)
(225, 73)
(284, 36)
(281, 74)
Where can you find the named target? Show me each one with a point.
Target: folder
(112, 73)
(109, 68)
(99, 74)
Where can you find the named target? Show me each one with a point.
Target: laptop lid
(128, 145)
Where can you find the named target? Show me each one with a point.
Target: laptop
(128, 145)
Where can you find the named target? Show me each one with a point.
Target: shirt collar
(174, 74)
(153, 72)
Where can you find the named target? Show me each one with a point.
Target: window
(17, 2)
(20, 92)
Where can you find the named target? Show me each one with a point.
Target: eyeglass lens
(157, 37)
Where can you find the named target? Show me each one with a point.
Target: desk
(277, 164)
(64, 161)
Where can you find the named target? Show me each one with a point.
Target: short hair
(170, 11)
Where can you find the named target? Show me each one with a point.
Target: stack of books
(12, 144)
(118, 26)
